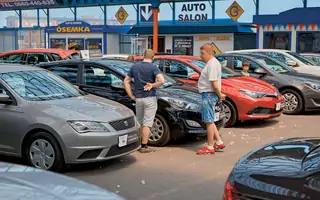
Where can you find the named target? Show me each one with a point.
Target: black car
(285, 170)
(300, 91)
(178, 104)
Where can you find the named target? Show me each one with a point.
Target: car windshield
(39, 85)
(123, 67)
(273, 65)
(226, 73)
(302, 59)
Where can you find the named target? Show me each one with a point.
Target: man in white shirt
(210, 87)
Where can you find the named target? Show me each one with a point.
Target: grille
(123, 124)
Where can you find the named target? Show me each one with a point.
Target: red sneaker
(205, 150)
(219, 146)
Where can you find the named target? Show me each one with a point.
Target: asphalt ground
(176, 172)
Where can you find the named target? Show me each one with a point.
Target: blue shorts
(208, 103)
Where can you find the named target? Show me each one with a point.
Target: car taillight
(229, 192)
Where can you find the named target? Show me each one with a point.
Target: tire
(160, 125)
(292, 97)
(53, 146)
(231, 114)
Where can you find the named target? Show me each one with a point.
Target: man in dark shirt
(146, 77)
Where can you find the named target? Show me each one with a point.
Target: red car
(248, 98)
(36, 55)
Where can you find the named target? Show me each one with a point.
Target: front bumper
(97, 146)
(311, 99)
(264, 108)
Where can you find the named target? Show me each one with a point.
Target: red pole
(155, 12)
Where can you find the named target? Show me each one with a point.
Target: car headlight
(88, 126)
(253, 94)
(181, 104)
(314, 86)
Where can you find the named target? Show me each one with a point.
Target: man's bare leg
(211, 133)
(145, 135)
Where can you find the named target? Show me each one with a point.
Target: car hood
(23, 182)
(308, 69)
(248, 83)
(283, 156)
(88, 107)
(185, 92)
(301, 76)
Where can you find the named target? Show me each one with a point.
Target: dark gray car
(28, 183)
(300, 91)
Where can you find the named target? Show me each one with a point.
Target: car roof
(173, 57)
(310, 54)
(7, 68)
(260, 50)
(78, 61)
(246, 54)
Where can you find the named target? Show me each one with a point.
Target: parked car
(28, 183)
(37, 55)
(49, 122)
(289, 58)
(288, 169)
(314, 57)
(178, 104)
(301, 91)
(117, 56)
(247, 98)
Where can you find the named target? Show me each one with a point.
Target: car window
(33, 59)
(156, 62)
(273, 64)
(278, 56)
(223, 61)
(12, 58)
(237, 64)
(68, 72)
(2, 90)
(177, 69)
(312, 161)
(301, 59)
(39, 85)
(101, 77)
(56, 56)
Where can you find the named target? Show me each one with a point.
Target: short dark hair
(245, 63)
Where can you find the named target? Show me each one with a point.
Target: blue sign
(22, 4)
(146, 14)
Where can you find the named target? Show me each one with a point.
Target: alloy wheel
(227, 112)
(290, 102)
(157, 130)
(42, 154)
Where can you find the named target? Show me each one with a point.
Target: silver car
(28, 183)
(50, 123)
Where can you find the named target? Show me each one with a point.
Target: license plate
(123, 140)
(278, 106)
(132, 138)
(216, 116)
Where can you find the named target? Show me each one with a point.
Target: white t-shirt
(211, 72)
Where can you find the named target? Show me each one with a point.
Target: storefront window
(183, 45)
(309, 42)
(76, 44)
(58, 43)
(94, 44)
(277, 40)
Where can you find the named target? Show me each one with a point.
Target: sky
(266, 7)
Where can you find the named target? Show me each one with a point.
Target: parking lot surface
(176, 172)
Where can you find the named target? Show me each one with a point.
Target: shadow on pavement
(256, 123)
(310, 113)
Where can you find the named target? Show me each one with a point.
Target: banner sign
(193, 12)
(75, 27)
(22, 4)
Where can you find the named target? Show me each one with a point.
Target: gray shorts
(146, 109)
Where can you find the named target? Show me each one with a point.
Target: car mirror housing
(194, 77)
(292, 63)
(5, 99)
(260, 71)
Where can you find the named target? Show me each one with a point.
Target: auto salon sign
(193, 12)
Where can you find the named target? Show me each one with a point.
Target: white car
(117, 56)
(292, 59)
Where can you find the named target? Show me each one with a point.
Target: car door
(102, 82)
(10, 116)
(70, 72)
(179, 70)
(12, 58)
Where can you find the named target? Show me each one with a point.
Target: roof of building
(292, 16)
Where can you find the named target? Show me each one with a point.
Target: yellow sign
(235, 11)
(121, 15)
(73, 29)
(215, 49)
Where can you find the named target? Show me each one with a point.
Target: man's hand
(148, 87)
(133, 98)
(222, 97)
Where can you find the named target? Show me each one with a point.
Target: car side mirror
(292, 63)
(260, 71)
(194, 77)
(5, 99)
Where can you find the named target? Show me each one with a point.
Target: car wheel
(43, 151)
(293, 103)
(160, 132)
(230, 114)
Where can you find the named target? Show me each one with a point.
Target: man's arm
(127, 87)
(159, 81)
